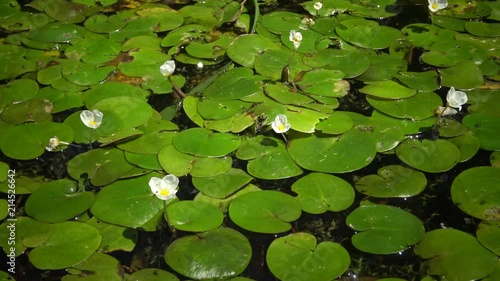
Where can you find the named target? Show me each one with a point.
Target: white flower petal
(436, 5)
(165, 188)
(456, 98)
(296, 38)
(91, 119)
(318, 6)
(167, 68)
(280, 124)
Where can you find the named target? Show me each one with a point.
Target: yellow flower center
(434, 6)
(93, 122)
(164, 192)
(281, 127)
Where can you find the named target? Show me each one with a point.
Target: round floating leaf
(128, 202)
(102, 166)
(57, 32)
(495, 159)
(58, 201)
(384, 229)
(219, 253)
(284, 95)
(69, 243)
(280, 21)
(265, 211)
(222, 185)
(34, 110)
(424, 34)
(272, 64)
(216, 110)
(418, 107)
(421, 81)
(351, 63)
(408, 126)
(82, 74)
(104, 24)
(429, 156)
(392, 181)
(337, 123)
(383, 67)
(486, 128)
(132, 111)
(19, 90)
(367, 34)
(184, 34)
(449, 128)
(476, 191)
(268, 158)
(193, 216)
(114, 237)
(297, 256)
(180, 164)
(28, 141)
(333, 154)
(93, 50)
(449, 253)
(245, 48)
(153, 274)
(319, 193)
(234, 84)
(150, 143)
(210, 50)
(204, 142)
(102, 266)
(166, 17)
(465, 75)
(112, 89)
(387, 90)
(487, 233)
(450, 53)
(322, 82)
(483, 29)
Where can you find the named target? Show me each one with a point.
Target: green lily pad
(392, 181)
(222, 185)
(299, 256)
(195, 216)
(102, 166)
(464, 75)
(429, 156)
(30, 233)
(304, 120)
(19, 90)
(33, 110)
(495, 159)
(28, 141)
(100, 265)
(272, 63)
(322, 82)
(112, 89)
(367, 34)
(319, 193)
(387, 90)
(475, 191)
(111, 124)
(9, 8)
(333, 154)
(487, 232)
(166, 17)
(218, 253)
(245, 48)
(179, 164)
(268, 158)
(235, 124)
(420, 81)
(205, 143)
(450, 53)
(383, 67)
(104, 24)
(384, 229)
(61, 100)
(216, 110)
(114, 237)
(483, 29)
(448, 252)
(85, 74)
(351, 63)
(450, 23)
(150, 143)
(119, 204)
(58, 201)
(153, 274)
(96, 50)
(69, 243)
(145, 161)
(265, 211)
(449, 128)
(283, 94)
(234, 84)
(336, 123)
(408, 126)
(57, 32)
(418, 107)
(184, 34)
(132, 111)
(425, 34)
(211, 50)
(280, 21)
(486, 128)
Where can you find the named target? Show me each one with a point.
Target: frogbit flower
(165, 188)
(317, 6)
(306, 23)
(199, 65)
(454, 99)
(436, 5)
(296, 38)
(54, 143)
(280, 124)
(167, 68)
(91, 119)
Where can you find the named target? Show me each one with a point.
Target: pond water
(255, 140)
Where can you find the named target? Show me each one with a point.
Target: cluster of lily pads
(271, 102)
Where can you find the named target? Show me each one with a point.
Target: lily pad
(218, 253)
(319, 193)
(450, 53)
(153, 274)
(322, 82)
(448, 252)
(58, 201)
(148, 144)
(195, 216)
(486, 128)
(464, 75)
(245, 48)
(19, 90)
(114, 237)
(392, 181)
(367, 34)
(487, 232)
(333, 154)
(476, 192)
(222, 185)
(234, 84)
(483, 29)
(421, 81)
(132, 111)
(205, 143)
(387, 90)
(216, 109)
(129, 202)
(336, 123)
(384, 229)
(85, 74)
(103, 24)
(428, 155)
(112, 89)
(265, 211)
(351, 63)
(33, 110)
(69, 243)
(101, 265)
(418, 107)
(96, 50)
(298, 256)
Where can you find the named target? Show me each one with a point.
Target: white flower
(91, 119)
(199, 65)
(167, 68)
(280, 124)
(306, 23)
(445, 111)
(54, 143)
(164, 188)
(456, 99)
(296, 38)
(318, 6)
(436, 5)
